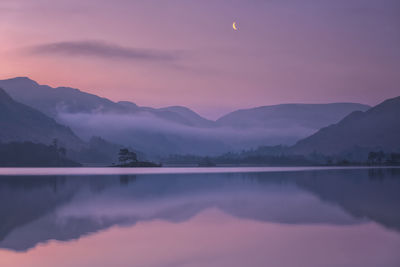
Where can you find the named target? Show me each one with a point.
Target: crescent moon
(235, 27)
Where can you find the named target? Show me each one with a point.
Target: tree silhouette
(62, 151)
(28, 154)
(127, 157)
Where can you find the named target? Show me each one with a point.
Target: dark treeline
(234, 159)
(382, 158)
(28, 154)
(372, 158)
(267, 156)
(281, 156)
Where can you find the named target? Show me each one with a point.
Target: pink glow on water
(165, 170)
(213, 238)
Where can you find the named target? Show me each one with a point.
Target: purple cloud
(104, 50)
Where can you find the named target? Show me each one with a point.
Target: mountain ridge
(53, 100)
(20, 122)
(128, 105)
(298, 111)
(377, 128)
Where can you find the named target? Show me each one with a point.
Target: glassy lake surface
(285, 217)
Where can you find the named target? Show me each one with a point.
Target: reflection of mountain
(24, 200)
(67, 208)
(373, 195)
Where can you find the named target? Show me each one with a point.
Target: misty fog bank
(153, 135)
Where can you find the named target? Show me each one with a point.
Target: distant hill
(19, 122)
(53, 101)
(307, 116)
(377, 128)
(192, 117)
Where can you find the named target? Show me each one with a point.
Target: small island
(128, 159)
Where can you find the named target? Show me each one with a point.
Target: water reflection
(37, 209)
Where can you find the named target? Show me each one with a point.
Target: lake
(187, 217)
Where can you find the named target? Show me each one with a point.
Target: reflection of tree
(127, 179)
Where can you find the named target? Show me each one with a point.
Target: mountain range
(176, 129)
(19, 122)
(53, 101)
(375, 129)
(308, 116)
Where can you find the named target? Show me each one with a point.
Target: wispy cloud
(104, 50)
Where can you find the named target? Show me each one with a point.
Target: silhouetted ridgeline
(19, 122)
(28, 154)
(360, 132)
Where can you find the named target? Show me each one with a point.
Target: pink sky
(161, 53)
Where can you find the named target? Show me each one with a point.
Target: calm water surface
(284, 217)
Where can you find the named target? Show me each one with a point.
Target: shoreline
(72, 171)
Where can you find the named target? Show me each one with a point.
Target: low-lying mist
(156, 136)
